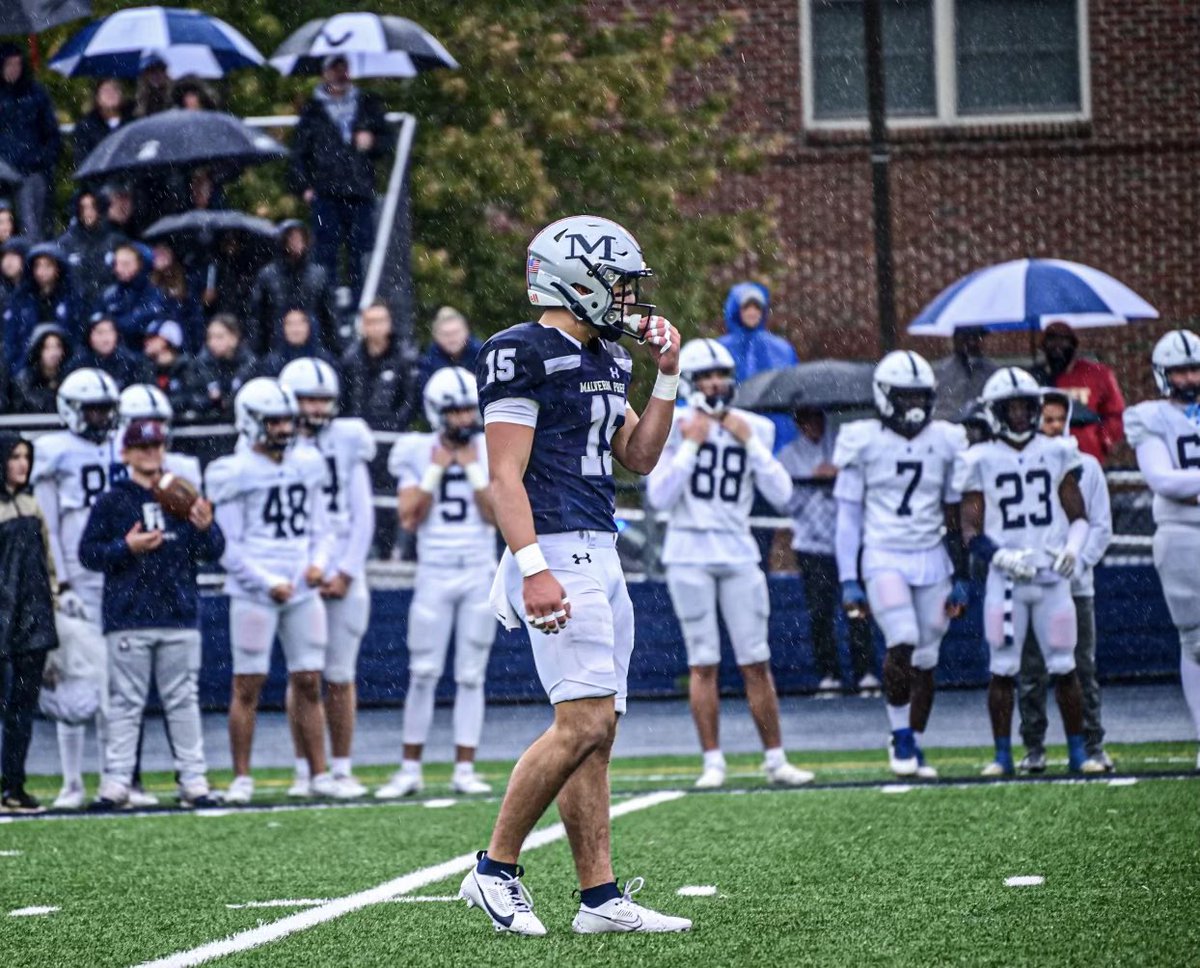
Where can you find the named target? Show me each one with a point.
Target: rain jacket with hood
(30, 306)
(757, 350)
(32, 391)
(133, 305)
(26, 567)
(88, 250)
(122, 364)
(285, 283)
(29, 138)
(379, 388)
(323, 160)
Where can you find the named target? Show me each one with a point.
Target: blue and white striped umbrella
(189, 42)
(1031, 294)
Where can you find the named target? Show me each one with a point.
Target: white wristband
(476, 475)
(531, 560)
(432, 478)
(686, 455)
(666, 386)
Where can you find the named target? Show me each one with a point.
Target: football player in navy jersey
(554, 401)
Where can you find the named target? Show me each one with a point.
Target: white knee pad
(473, 643)
(932, 622)
(304, 635)
(892, 607)
(746, 609)
(348, 618)
(428, 636)
(418, 709)
(693, 595)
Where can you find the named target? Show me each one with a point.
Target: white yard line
(310, 918)
(314, 901)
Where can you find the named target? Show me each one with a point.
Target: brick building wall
(1120, 191)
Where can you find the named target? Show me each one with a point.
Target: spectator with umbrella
(962, 374)
(131, 300)
(36, 386)
(338, 139)
(47, 294)
(121, 212)
(155, 91)
(29, 138)
(88, 243)
(180, 301)
(192, 94)
(291, 280)
(101, 349)
(110, 109)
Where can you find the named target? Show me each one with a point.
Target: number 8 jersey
(274, 518)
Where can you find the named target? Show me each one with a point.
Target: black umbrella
(174, 139)
(9, 175)
(373, 45)
(208, 223)
(819, 385)
(34, 16)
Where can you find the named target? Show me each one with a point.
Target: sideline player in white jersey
(1024, 515)
(715, 459)
(145, 401)
(1166, 436)
(277, 550)
(442, 485)
(71, 469)
(346, 447)
(898, 511)
(556, 419)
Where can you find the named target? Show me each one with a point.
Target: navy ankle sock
(595, 896)
(494, 868)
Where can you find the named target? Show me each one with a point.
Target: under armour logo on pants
(580, 559)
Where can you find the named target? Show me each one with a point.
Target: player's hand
(313, 576)
(696, 427)
(336, 587)
(282, 592)
(71, 605)
(737, 425)
(1064, 563)
(660, 334)
(854, 599)
(467, 453)
(824, 472)
(201, 515)
(1016, 563)
(442, 456)
(546, 605)
(956, 601)
(142, 542)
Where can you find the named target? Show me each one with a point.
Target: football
(175, 495)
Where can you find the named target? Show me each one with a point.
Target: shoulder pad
(48, 450)
(763, 427)
(510, 364)
(362, 442)
(1140, 422)
(221, 479)
(953, 436)
(851, 439)
(401, 454)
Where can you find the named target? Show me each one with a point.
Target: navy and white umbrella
(1029, 294)
(187, 41)
(373, 45)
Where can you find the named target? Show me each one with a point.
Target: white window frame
(945, 81)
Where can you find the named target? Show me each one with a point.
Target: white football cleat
(828, 688)
(788, 775)
(195, 792)
(326, 785)
(995, 768)
(301, 787)
(349, 788)
(924, 770)
(1094, 764)
(471, 783)
(400, 785)
(139, 798)
(712, 778)
(70, 797)
(901, 767)
(504, 899)
(623, 914)
(241, 791)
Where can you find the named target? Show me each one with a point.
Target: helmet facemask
(715, 397)
(911, 409)
(456, 433)
(277, 433)
(1016, 418)
(615, 307)
(1187, 391)
(98, 421)
(315, 412)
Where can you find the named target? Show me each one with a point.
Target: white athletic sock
(339, 765)
(775, 758)
(468, 715)
(714, 760)
(70, 754)
(463, 770)
(898, 716)
(418, 710)
(303, 771)
(410, 767)
(1189, 672)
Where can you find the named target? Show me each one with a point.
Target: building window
(949, 61)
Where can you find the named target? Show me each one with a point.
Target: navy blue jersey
(580, 393)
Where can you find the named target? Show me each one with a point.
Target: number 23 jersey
(1020, 490)
(284, 524)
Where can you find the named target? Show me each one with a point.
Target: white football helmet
(314, 379)
(90, 390)
(1178, 348)
(1004, 387)
(451, 388)
(905, 388)
(596, 255)
(258, 401)
(699, 357)
(143, 401)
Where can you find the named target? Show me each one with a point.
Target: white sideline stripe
(11, 853)
(314, 901)
(27, 912)
(303, 920)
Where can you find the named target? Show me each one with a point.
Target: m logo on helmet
(581, 248)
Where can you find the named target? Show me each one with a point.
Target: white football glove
(1064, 563)
(72, 606)
(1017, 563)
(658, 331)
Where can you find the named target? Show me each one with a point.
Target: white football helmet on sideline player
(699, 358)
(143, 401)
(596, 255)
(1005, 387)
(905, 389)
(312, 379)
(451, 388)
(1177, 349)
(87, 403)
(258, 401)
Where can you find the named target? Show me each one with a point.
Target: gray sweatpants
(172, 657)
(1033, 683)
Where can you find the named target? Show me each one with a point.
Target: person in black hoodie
(12, 268)
(110, 110)
(35, 388)
(131, 300)
(88, 243)
(26, 616)
(47, 295)
(140, 546)
(172, 370)
(291, 280)
(29, 138)
(298, 341)
(102, 350)
(219, 367)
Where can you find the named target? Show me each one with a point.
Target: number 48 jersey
(902, 482)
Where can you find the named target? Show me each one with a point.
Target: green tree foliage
(551, 114)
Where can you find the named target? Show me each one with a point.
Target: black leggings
(18, 700)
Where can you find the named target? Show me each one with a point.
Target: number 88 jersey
(903, 482)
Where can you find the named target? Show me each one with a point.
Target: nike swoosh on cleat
(624, 924)
(498, 918)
